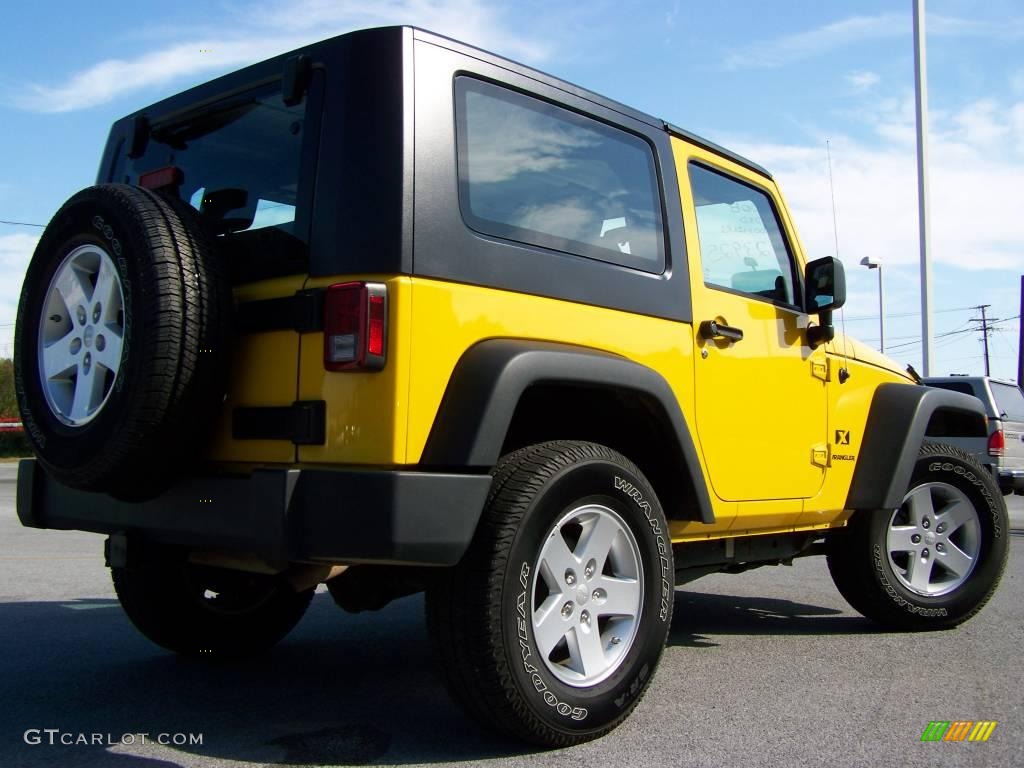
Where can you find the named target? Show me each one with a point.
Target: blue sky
(772, 80)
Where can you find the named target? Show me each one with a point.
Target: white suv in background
(1004, 406)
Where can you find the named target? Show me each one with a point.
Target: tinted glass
(955, 386)
(1009, 400)
(240, 167)
(540, 174)
(741, 243)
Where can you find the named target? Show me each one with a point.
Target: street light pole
(877, 264)
(921, 103)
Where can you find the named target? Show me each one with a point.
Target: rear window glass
(239, 165)
(955, 386)
(1009, 400)
(540, 174)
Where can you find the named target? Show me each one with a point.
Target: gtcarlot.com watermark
(55, 737)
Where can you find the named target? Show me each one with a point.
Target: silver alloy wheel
(588, 590)
(81, 334)
(934, 539)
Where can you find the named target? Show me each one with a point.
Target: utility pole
(1020, 338)
(985, 327)
(924, 232)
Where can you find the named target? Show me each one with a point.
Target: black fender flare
(896, 427)
(484, 389)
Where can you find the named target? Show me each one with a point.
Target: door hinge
(820, 454)
(819, 369)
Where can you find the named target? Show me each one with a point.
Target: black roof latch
(295, 79)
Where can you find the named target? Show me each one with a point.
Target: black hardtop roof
(268, 70)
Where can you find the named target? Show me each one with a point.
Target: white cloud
(803, 45)
(862, 81)
(828, 37)
(974, 188)
(15, 252)
(259, 32)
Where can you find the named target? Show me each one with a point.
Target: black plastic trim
(484, 389)
(303, 312)
(282, 515)
(140, 136)
(896, 427)
(304, 422)
(295, 79)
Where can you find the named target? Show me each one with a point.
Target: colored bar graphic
(958, 730)
(982, 730)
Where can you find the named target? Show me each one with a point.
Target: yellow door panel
(760, 400)
(759, 409)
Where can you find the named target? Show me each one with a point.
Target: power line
(955, 332)
(910, 314)
(22, 224)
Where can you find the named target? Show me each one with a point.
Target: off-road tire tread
(186, 331)
(853, 579)
(464, 604)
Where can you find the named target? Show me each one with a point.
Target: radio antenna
(844, 372)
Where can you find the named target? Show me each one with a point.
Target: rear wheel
(201, 610)
(934, 562)
(553, 623)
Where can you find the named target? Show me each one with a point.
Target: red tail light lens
(996, 443)
(168, 176)
(355, 326)
(376, 319)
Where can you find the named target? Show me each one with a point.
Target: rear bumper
(1010, 480)
(281, 515)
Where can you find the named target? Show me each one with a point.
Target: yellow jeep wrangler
(398, 315)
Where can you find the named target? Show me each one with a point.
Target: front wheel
(934, 562)
(551, 626)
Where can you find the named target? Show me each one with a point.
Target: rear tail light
(355, 326)
(996, 443)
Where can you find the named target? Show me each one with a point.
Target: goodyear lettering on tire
(526, 652)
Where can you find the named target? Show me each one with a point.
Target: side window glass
(537, 173)
(741, 241)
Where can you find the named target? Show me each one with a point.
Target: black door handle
(710, 329)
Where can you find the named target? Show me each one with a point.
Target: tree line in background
(8, 402)
(11, 443)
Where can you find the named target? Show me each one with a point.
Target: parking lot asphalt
(766, 668)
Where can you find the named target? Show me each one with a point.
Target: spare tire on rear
(121, 346)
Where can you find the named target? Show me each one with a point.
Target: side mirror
(824, 290)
